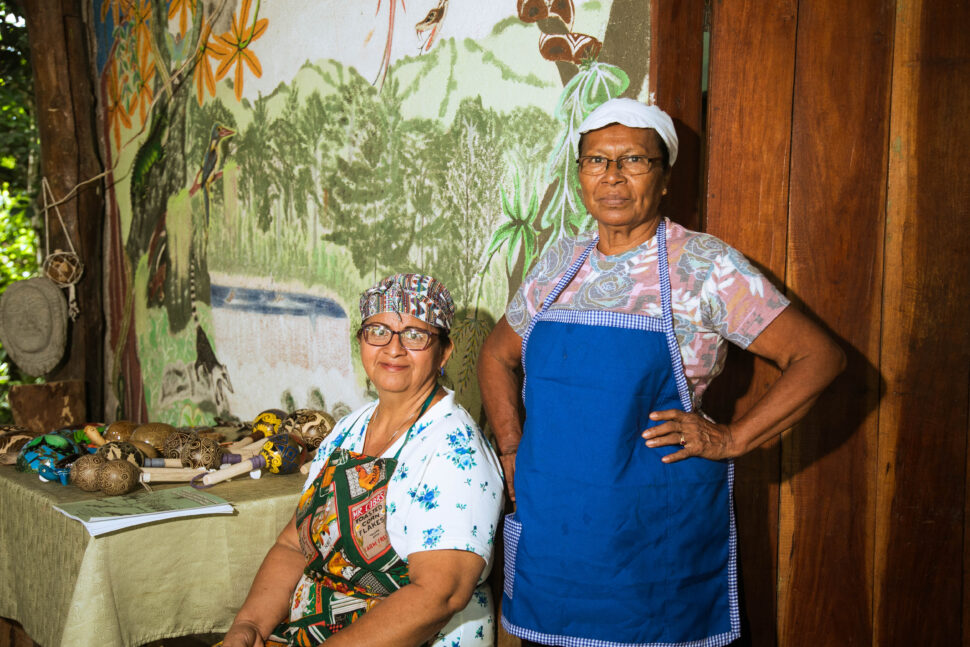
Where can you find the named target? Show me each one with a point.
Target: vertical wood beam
(746, 204)
(676, 62)
(64, 92)
(840, 126)
(923, 416)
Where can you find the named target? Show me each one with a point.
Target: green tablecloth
(170, 578)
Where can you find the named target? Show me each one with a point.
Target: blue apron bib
(608, 545)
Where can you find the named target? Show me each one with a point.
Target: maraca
(309, 425)
(280, 454)
(265, 425)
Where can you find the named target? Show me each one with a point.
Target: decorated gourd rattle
(280, 454)
(265, 425)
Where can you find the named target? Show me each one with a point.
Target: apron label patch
(369, 528)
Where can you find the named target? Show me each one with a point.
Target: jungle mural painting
(271, 160)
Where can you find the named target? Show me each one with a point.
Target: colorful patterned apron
(350, 564)
(608, 545)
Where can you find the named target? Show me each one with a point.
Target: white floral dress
(446, 493)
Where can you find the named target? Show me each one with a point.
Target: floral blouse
(717, 295)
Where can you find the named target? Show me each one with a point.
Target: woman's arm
(809, 360)
(268, 602)
(442, 583)
(500, 384)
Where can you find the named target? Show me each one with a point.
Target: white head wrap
(633, 114)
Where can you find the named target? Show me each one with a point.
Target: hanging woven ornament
(64, 269)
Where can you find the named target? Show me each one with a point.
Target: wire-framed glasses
(627, 164)
(377, 334)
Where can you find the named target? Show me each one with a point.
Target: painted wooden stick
(170, 474)
(280, 454)
(162, 462)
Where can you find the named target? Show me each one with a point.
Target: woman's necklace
(408, 423)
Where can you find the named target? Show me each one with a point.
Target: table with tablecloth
(169, 578)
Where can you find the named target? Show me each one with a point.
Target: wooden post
(64, 92)
(746, 205)
(922, 499)
(840, 125)
(676, 64)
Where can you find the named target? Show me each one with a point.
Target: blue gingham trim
(511, 532)
(719, 640)
(605, 318)
(677, 361)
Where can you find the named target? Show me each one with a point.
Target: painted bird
(431, 24)
(211, 161)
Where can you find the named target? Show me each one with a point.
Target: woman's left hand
(695, 434)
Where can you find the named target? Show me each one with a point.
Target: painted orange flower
(142, 29)
(118, 8)
(203, 66)
(182, 8)
(144, 92)
(117, 115)
(232, 47)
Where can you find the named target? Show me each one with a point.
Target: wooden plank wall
(746, 203)
(923, 416)
(837, 135)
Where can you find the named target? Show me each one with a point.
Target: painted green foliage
(332, 182)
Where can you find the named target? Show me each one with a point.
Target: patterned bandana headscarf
(417, 295)
(633, 114)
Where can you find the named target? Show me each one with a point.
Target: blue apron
(608, 545)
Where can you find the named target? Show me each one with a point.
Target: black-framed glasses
(377, 334)
(626, 164)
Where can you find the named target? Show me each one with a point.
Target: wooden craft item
(249, 450)
(170, 474)
(118, 450)
(265, 424)
(153, 433)
(202, 452)
(84, 472)
(162, 462)
(311, 426)
(12, 439)
(175, 442)
(118, 477)
(280, 454)
(52, 405)
(148, 451)
(119, 430)
(93, 432)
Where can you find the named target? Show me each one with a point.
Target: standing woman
(392, 539)
(624, 527)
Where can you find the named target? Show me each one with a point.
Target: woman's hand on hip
(695, 434)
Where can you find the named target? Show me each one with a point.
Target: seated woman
(392, 539)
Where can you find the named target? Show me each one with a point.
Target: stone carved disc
(33, 324)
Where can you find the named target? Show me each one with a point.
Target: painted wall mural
(270, 160)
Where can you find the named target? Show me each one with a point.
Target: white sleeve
(452, 495)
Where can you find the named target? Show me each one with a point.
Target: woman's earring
(442, 371)
(664, 192)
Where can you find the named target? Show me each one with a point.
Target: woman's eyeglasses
(627, 164)
(377, 334)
